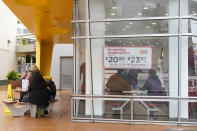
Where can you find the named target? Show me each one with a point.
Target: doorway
(66, 73)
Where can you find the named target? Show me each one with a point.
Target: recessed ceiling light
(148, 27)
(154, 23)
(128, 26)
(147, 42)
(108, 23)
(114, 7)
(138, 41)
(146, 8)
(141, 44)
(166, 14)
(112, 14)
(105, 29)
(124, 29)
(124, 44)
(194, 14)
(108, 40)
(139, 13)
(130, 23)
(120, 41)
(156, 43)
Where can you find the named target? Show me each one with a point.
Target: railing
(130, 99)
(25, 39)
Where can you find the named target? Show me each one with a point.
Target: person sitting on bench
(51, 87)
(25, 84)
(37, 93)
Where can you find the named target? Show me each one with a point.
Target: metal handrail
(128, 96)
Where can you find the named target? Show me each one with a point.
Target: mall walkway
(59, 120)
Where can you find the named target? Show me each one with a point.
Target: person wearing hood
(153, 84)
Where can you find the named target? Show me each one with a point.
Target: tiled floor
(59, 120)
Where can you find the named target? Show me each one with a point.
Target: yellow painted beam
(46, 19)
(32, 2)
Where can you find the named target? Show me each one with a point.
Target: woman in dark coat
(38, 93)
(153, 84)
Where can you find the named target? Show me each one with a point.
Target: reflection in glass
(80, 29)
(155, 110)
(189, 7)
(80, 56)
(113, 109)
(189, 26)
(134, 27)
(106, 9)
(80, 110)
(189, 115)
(80, 9)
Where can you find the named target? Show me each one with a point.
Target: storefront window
(136, 60)
(122, 71)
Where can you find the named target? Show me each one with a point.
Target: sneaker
(46, 113)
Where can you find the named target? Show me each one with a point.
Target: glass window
(189, 7)
(134, 27)
(189, 111)
(191, 44)
(189, 26)
(112, 109)
(80, 29)
(157, 110)
(81, 66)
(82, 108)
(26, 31)
(80, 9)
(19, 30)
(135, 66)
(112, 9)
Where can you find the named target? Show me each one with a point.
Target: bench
(149, 109)
(24, 107)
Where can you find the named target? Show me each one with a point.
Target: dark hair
(153, 74)
(36, 78)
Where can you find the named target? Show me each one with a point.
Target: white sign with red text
(128, 57)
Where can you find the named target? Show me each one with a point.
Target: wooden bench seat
(25, 106)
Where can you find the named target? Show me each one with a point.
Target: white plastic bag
(25, 84)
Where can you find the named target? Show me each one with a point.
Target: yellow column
(38, 49)
(44, 53)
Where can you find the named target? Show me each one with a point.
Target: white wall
(59, 50)
(8, 26)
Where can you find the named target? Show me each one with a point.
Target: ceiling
(48, 20)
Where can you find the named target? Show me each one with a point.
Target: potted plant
(13, 79)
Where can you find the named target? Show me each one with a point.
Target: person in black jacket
(51, 87)
(38, 93)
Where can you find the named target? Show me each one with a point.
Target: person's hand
(48, 88)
